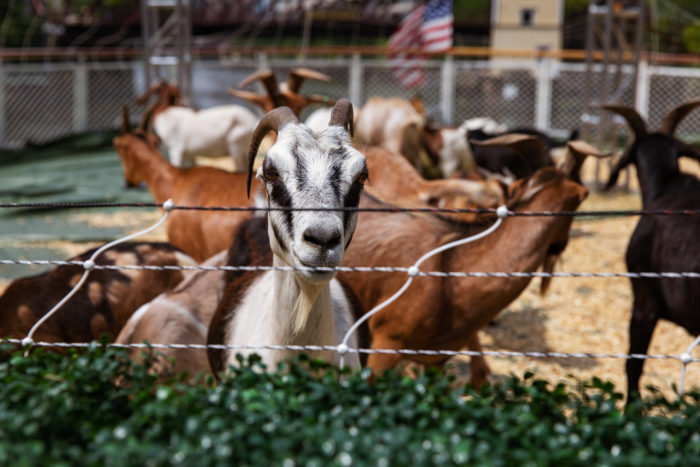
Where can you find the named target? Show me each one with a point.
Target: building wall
(509, 31)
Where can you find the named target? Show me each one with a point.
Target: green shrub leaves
(94, 407)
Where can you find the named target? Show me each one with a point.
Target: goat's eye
(270, 174)
(361, 179)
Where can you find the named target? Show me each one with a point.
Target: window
(527, 17)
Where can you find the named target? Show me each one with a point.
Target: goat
(402, 127)
(179, 316)
(201, 234)
(187, 133)
(446, 313)
(395, 180)
(104, 302)
(663, 244)
(286, 95)
(499, 158)
(303, 306)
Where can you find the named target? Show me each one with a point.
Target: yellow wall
(545, 31)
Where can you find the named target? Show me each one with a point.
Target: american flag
(429, 28)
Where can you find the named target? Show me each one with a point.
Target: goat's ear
(523, 145)
(126, 127)
(623, 162)
(274, 120)
(674, 118)
(575, 156)
(298, 75)
(634, 120)
(417, 103)
(257, 99)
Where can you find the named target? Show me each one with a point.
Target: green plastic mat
(85, 168)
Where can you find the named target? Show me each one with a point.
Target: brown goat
(393, 179)
(200, 234)
(283, 96)
(446, 313)
(104, 302)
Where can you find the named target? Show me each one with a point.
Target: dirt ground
(576, 315)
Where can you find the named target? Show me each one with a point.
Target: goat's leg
(479, 368)
(379, 362)
(176, 156)
(641, 328)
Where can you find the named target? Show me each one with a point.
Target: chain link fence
(42, 102)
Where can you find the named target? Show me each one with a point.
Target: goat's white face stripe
(304, 169)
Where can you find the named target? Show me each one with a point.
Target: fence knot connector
(413, 271)
(502, 211)
(342, 349)
(89, 265)
(168, 205)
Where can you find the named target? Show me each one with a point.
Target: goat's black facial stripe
(334, 179)
(352, 199)
(278, 237)
(281, 198)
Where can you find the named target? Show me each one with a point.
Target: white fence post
(2, 104)
(642, 96)
(80, 91)
(447, 90)
(355, 87)
(543, 99)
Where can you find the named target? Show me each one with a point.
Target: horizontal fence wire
(389, 209)
(387, 269)
(408, 352)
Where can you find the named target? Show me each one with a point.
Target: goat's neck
(655, 174)
(158, 174)
(303, 311)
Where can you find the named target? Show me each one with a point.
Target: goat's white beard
(305, 295)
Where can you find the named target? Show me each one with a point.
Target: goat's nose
(322, 237)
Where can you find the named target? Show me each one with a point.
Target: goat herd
(322, 164)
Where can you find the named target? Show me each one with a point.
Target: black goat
(503, 159)
(661, 244)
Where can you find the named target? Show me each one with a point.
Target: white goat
(300, 307)
(187, 133)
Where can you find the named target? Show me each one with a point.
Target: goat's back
(102, 305)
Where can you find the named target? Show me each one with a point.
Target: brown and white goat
(102, 305)
(187, 133)
(438, 313)
(661, 243)
(286, 95)
(179, 316)
(303, 306)
(201, 234)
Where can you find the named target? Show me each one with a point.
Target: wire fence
(412, 272)
(40, 102)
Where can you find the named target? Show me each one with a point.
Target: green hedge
(68, 410)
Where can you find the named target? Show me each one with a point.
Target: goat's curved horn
(126, 127)
(143, 98)
(274, 120)
(672, 119)
(147, 116)
(634, 120)
(298, 75)
(342, 115)
(575, 156)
